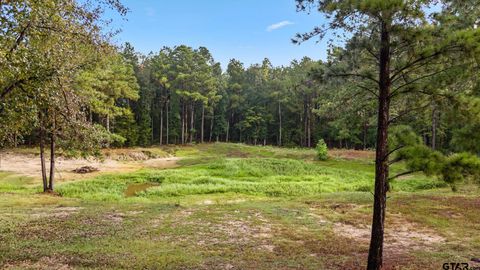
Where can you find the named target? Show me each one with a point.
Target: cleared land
(227, 206)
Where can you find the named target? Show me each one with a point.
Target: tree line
(186, 97)
(181, 95)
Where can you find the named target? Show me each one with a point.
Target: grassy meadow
(233, 206)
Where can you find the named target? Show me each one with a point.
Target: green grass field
(232, 206)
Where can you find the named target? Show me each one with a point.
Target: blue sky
(248, 30)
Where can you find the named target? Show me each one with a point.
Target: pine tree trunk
(305, 122)
(52, 162)
(151, 128)
(375, 255)
(183, 123)
(186, 125)
(228, 130)
(365, 133)
(309, 129)
(161, 126)
(168, 119)
(108, 123)
(52, 155)
(42, 158)
(191, 122)
(211, 126)
(279, 124)
(434, 127)
(203, 122)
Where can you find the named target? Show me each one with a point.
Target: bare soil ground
(29, 164)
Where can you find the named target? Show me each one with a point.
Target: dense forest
(181, 95)
(185, 96)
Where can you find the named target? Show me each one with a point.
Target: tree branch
(397, 91)
(406, 113)
(367, 89)
(402, 174)
(10, 88)
(418, 60)
(393, 151)
(356, 75)
(20, 37)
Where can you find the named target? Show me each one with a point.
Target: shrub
(459, 167)
(322, 150)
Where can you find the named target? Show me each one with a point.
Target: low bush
(322, 150)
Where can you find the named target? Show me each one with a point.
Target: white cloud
(278, 25)
(246, 47)
(150, 12)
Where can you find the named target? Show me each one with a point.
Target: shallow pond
(133, 189)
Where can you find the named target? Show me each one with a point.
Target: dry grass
(352, 154)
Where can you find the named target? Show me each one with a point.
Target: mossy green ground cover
(231, 206)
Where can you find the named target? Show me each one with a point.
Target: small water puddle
(134, 189)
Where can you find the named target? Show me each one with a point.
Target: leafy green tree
(234, 89)
(108, 88)
(36, 83)
(163, 76)
(399, 39)
(306, 90)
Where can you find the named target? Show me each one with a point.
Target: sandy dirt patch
(58, 212)
(255, 230)
(400, 235)
(29, 165)
(45, 263)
